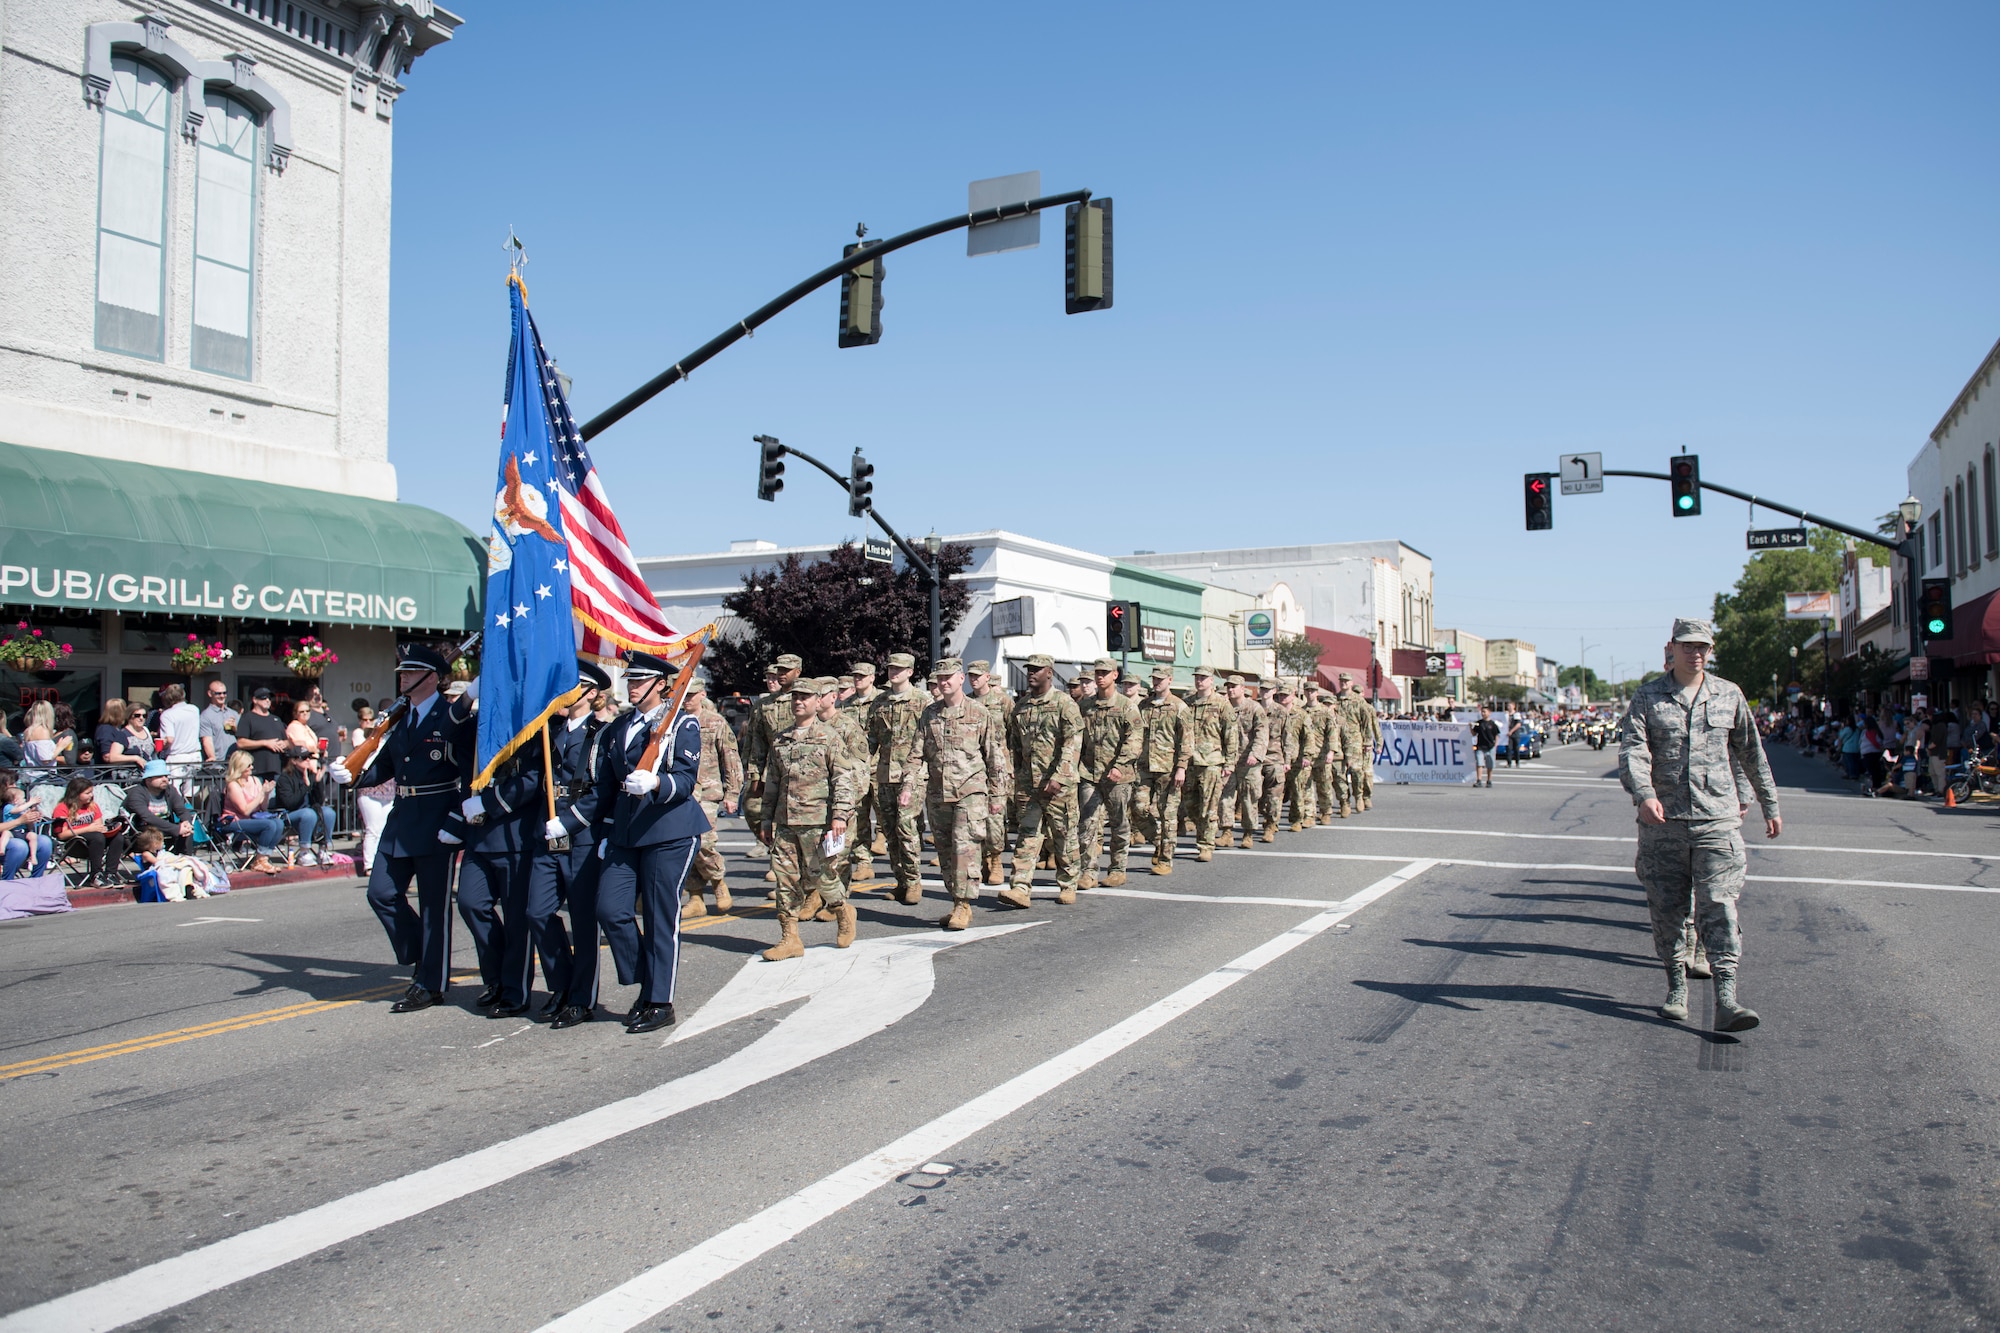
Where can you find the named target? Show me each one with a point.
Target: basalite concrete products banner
(1424, 752)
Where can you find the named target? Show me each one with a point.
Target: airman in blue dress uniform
(655, 829)
(421, 754)
(505, 831)
(564, 872)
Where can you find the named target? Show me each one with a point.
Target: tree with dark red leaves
(833, 612)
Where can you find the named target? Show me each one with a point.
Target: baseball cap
(1105, 664)
(862, 669)
(979, 667)
(903, 661)
(1040, 660)
(946, 667)
(788, 662)
(1204, 671)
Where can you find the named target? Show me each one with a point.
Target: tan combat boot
(1163, 867)
(693, 908)
(1114, 879)
(1228, 838)
(990, 863)
(1067, 897)
(1298, 826)
(723, 902)
(1270, 833)
(1087, 880)
(960, 918)
(909, 894)
(1015, 897)
(1205, 854)
(880, 847)
(770, 877)
(843, 934)
(789, 944)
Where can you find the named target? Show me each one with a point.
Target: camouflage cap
(1105, 664)
(860, 669)
(788, 662)
(1267, 683)
(949, 666)
(1040, 660)
(1163, 673)
(1694, 631)
(1346, 676)
(1204, 671)
(979, 667)
(827, 684)
(1281, 686)
(902, 661)
(804, 685)
(1129, 679)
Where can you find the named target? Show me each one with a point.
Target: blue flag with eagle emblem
(527, 662)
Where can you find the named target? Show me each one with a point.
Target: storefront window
(159, 634)
(83, 631)
(83, 691)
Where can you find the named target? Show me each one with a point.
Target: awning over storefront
(80, 532)
(1355, 655)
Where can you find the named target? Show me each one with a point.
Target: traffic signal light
(1541, 501)
(1121, 627)
(860, 485)
(1684, 476)
(1087, 256)
(771, 473)
(1934, 609)
(861, 302)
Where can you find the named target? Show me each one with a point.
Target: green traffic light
(1685, 501)
(1935, 627)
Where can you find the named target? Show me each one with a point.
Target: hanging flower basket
(195, 655)
(28, 649)
(306, 658)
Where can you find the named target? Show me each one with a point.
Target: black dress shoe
(651, 1019)
(553, 1007)
(569, 1016)
(415, 998)
(491, 995)
(507, 1011)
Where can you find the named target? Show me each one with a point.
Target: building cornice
(1979, 380)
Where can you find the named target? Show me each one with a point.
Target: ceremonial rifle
(363, 754)
(649, 760)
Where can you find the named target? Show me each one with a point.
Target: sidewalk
(111, 895)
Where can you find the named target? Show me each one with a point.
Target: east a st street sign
(1771, 539)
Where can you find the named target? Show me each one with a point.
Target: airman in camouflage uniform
(981, 685)
(892, 734)
(1683, 740)
(1361, 716)
(769, 715)
(808, 795)
(1162, 756)
(1243, 793)
(865, 836)
(1312, 740)
(959, 762)
(1211, 752)
(1045, 740)
(1283, 749)
(716, 785)
(1333, 726)
(847, 724)
(1356, 756)
(1108, 761)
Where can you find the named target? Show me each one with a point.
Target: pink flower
(65, 648)
(37, 633)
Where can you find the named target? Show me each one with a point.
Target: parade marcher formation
(592, 837)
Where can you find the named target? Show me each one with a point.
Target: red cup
(322, 745)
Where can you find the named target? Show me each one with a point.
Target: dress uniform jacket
(668, 812)
(423, 759)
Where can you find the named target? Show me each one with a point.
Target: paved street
(1403, 1072)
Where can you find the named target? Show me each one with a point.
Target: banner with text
(1424, 752)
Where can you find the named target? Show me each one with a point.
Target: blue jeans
(313, 824)
(17, 853)
(265, 829)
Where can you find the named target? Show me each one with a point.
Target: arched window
(225, 236)
(132, 211)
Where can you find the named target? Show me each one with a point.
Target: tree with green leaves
(1297, 655)
(1753, 640)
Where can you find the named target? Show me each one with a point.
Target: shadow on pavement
(1554, 918)
(1464, 997)
(1511, 949)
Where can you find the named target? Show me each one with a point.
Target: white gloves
(642, 783)
(473, 809)
(603, 845)
(471, 694)
(450, 839)
(337, 770)
(555, 830)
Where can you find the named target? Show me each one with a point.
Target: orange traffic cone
(1950, 799)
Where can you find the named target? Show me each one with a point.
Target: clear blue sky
(1373, 263)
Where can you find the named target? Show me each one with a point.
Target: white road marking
(658, 1289)
(1614, 870)
(209, 920)
(1208, 898)
(834, 1018)
(1590, 837)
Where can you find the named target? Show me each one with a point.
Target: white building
(1065, 591)
(1380, 590)
(1959, 536)
(194, 365)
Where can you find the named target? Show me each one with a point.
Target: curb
(112, 896)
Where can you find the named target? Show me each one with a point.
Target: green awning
(77, 531)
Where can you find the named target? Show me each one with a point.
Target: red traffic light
(1538, 484)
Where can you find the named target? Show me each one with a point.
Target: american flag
(614, 608)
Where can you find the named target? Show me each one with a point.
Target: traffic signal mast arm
(1801, 514)
(917, 562)
(863, 254)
